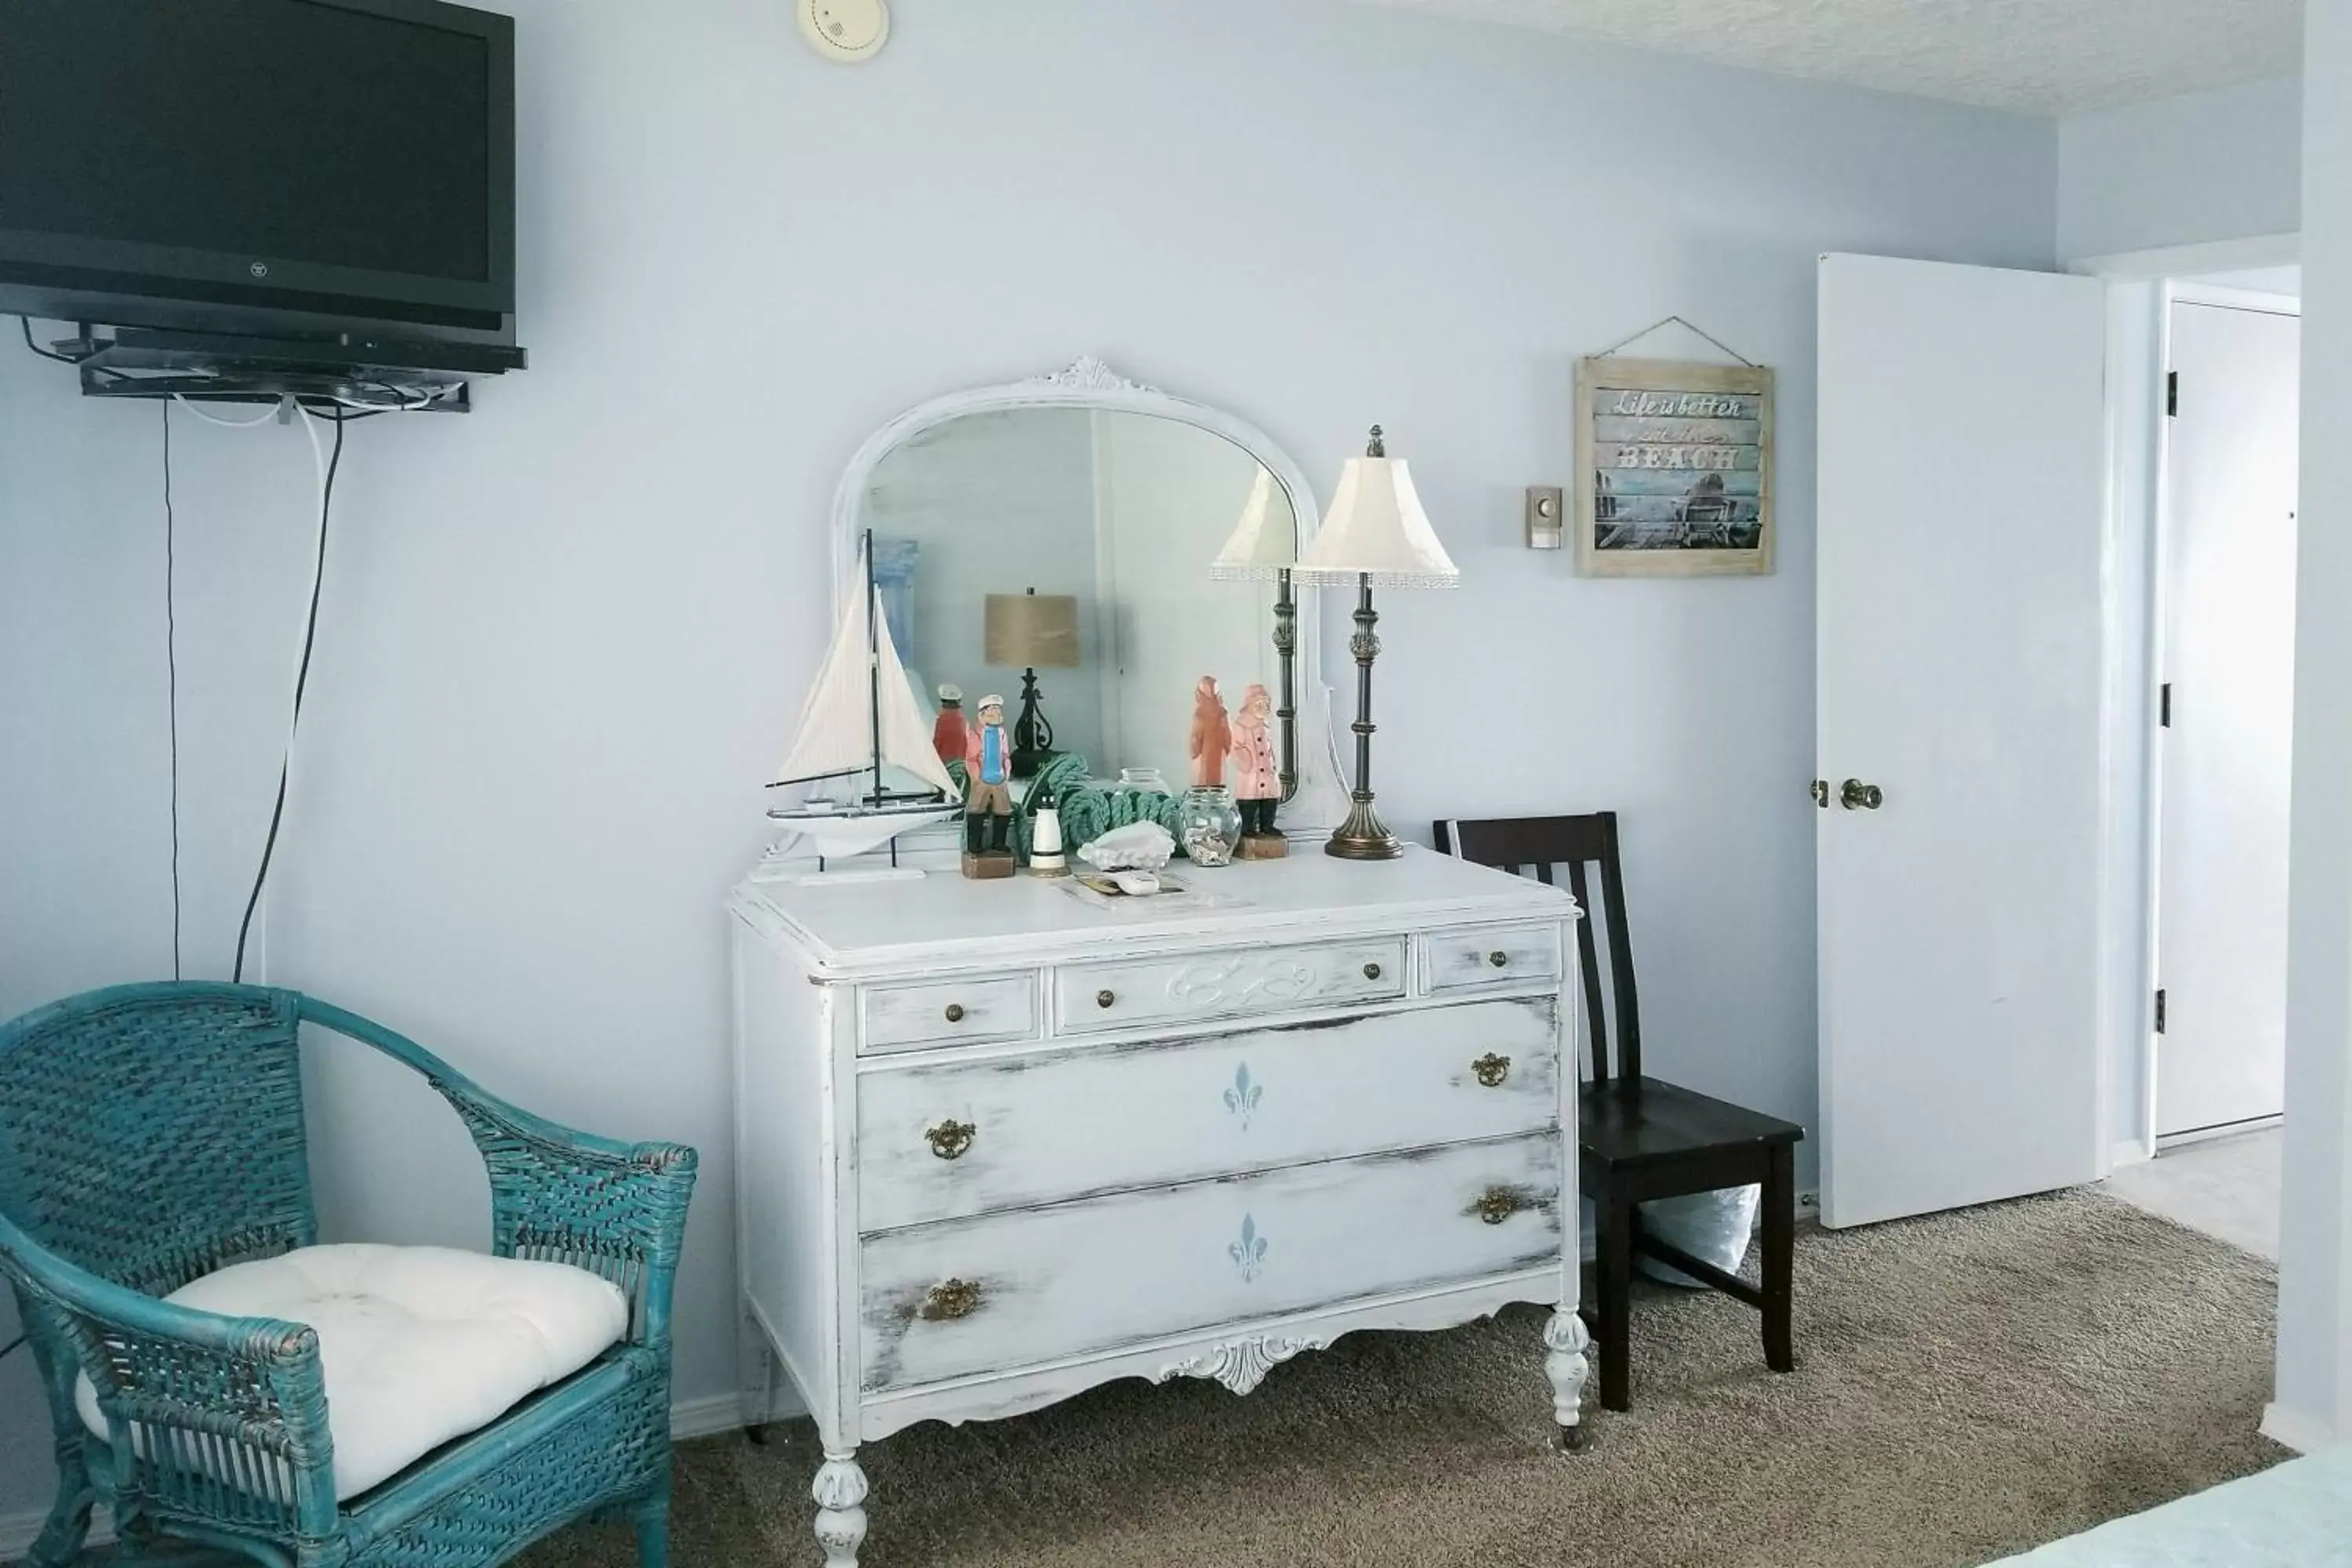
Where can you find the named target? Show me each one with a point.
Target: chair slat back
(152, 1134)
(1581, 844)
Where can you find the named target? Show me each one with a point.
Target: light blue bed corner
(2298, 1515)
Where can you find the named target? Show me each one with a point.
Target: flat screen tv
(286, 168)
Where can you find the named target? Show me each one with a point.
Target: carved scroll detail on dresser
(1242, 1364)
(1241, 981)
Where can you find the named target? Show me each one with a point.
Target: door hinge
(2164, 706)
(2172, 392)
(2159, 1010)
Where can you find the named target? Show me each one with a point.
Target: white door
(1962, 473)
(2228, 659)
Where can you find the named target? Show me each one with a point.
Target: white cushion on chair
(417, 1345)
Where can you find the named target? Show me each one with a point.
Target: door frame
(2142, 288)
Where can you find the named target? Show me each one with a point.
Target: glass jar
(1143, 780)
(1210, 825)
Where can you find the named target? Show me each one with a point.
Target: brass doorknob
(1856, 796)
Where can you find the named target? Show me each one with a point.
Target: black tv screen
(316, 158)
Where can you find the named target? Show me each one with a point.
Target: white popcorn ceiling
(2036, 56)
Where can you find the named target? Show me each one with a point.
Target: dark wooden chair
(1640, 1138)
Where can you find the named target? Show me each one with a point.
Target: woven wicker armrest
(616, 1209)
(226, 1417)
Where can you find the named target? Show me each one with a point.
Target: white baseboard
(692, 1418)
(2171, 1141)
(2294, 1429)
(689, 1419)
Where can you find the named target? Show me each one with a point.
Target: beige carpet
(1965, 1387)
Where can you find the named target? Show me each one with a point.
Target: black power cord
(342, 416)
(27, 323)
(301, 680)
(172, 671)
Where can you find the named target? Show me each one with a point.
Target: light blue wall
(2216, 165)
(564, 636)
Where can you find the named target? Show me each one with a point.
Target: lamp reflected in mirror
(1264, 547)
(1031, 631)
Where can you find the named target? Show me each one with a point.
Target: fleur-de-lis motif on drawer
(1249, 1253)
(1242, 1097)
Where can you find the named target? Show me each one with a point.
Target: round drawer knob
(1105, 998)
(950, 1300)
(1496, 1204)
(1498, 958)
(1371, 971)
(955, 1012)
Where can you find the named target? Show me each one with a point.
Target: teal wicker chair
(151, 1135)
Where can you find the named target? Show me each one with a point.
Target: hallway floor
(2227, 1188)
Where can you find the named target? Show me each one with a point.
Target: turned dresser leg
(1567, 1339)
(840, 1493)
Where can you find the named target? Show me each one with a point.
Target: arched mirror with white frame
(1058, 533)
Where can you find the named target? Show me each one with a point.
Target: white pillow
(418, 1346)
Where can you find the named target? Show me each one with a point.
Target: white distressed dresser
(997, 1145)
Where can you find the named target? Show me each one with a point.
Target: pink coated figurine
(1213, 734)
(1258, 777)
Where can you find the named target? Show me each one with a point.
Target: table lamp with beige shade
(1265, 548)
(1030, 632)
(1375, 533)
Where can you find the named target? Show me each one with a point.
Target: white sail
(836, 731)
(906, 738)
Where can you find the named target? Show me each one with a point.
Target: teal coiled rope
(1092, 810)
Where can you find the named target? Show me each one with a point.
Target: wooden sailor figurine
(948, 729)
(988, 793)
(1256, 777)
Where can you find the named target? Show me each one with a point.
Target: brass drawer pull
(1498, 958)
(1371, 971)
(1105, 998)
(1492, 1070)
(955, 1012)
(949, 1139)
(1496, 1204)
(949, 1301)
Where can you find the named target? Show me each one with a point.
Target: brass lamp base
(1364, 837)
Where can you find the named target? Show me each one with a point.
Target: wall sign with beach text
(1674, 467)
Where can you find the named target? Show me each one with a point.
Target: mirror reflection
(1059, 558)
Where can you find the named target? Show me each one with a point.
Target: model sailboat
(860, 719)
